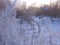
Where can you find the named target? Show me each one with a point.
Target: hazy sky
(38, 2)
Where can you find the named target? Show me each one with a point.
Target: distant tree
(3, 3)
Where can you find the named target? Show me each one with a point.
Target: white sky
(29, 2)
(38, 2)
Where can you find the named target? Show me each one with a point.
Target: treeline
(22, 11)
(52, 10)
(49, 10)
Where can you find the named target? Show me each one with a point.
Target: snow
(37, 31)
(48, 28)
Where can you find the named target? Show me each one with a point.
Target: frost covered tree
(9, 26)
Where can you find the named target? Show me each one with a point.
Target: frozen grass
(49, 34)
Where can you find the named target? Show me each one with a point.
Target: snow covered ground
(49, 35)
(38, 31)
(51, 27)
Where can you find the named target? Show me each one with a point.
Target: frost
(35, 31)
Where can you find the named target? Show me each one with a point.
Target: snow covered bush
(47, 31)
(8, 26)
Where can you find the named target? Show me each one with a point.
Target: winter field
(49, 31)
(33, 31)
